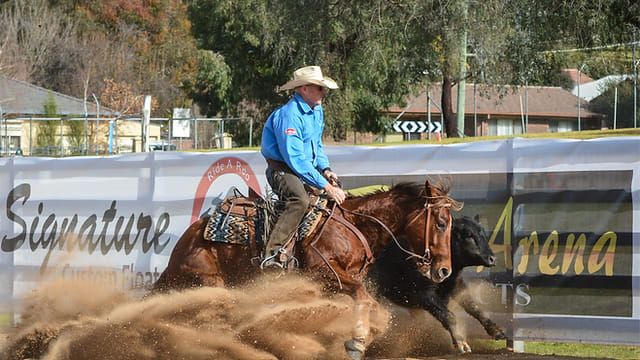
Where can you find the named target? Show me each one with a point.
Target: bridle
(426, 258)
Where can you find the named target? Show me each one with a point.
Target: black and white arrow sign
(416, 126)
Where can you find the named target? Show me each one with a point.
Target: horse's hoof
(355, 349)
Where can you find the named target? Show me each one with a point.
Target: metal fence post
(250, 132)
(61, 137)
(30, 135)
(195, 124)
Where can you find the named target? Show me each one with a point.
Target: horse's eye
(442, 226)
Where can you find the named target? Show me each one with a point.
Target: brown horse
(339, 251)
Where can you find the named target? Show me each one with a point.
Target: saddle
(247, 221)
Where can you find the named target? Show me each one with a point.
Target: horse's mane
(412, 190)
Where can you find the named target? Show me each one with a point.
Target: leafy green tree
(75, 135)
(48, 130)
(605, 104)
(379, 51)
(210, 87)
(266, 42)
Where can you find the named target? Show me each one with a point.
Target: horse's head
(429, 231)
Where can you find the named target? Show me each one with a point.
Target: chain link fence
(79, 136)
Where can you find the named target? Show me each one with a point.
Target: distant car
(162, 146)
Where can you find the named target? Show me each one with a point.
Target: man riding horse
(292, 146)
(347, 238)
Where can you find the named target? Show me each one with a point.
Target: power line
(591, 48)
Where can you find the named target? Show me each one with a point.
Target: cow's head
(470, 243)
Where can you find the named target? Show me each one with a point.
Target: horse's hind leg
(213, 280)
(205, 267)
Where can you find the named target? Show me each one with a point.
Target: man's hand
(335, 193)
(331, 176)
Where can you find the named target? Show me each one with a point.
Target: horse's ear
(427, 188)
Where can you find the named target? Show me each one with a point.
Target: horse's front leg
(357, 345)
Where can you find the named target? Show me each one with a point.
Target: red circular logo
(227, 165)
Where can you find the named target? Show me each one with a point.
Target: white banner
(128, 211)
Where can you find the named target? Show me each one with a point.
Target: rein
(426, 257)
(317, 237)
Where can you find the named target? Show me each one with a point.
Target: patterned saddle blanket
(244, 221)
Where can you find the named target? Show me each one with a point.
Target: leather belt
(278, 165)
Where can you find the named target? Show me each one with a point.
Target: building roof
(595, 88)
(543, 101)
(21, 98)
(573, 75)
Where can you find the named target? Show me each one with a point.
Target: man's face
(313, 94)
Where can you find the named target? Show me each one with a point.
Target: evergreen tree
(48, 131)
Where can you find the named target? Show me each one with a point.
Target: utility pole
(86, 126)
(146, 116)
(97, 121)
(579, 102)
(463, 70)
(635, 82)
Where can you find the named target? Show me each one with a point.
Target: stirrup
(272, 261)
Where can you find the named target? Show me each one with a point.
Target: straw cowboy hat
(309, 75)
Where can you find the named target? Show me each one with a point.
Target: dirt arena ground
(266, 320)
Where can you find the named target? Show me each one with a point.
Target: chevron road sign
(416, 126)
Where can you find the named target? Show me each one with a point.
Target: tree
(33, 35)
(210, 87)
(605, 104)
(266, 42)
(120, 97)
(48, 130)
(71, 46)
(434, 33)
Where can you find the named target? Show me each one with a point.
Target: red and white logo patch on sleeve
(290, 131)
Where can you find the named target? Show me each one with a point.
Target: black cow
(399, 281)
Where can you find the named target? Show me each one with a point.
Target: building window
(9, 143)
(560, 126)
(504, 127)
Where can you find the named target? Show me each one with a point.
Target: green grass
(580, 135)
(5, 319)
(583, 350)
(621, 352)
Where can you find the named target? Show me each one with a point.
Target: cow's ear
(477, 218)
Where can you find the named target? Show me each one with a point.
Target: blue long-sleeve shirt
(293, 135)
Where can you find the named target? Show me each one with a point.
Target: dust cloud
(416, 333)
(286, 318)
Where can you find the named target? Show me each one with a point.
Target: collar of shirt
(306, 109)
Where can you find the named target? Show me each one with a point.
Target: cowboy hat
(309, 75)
